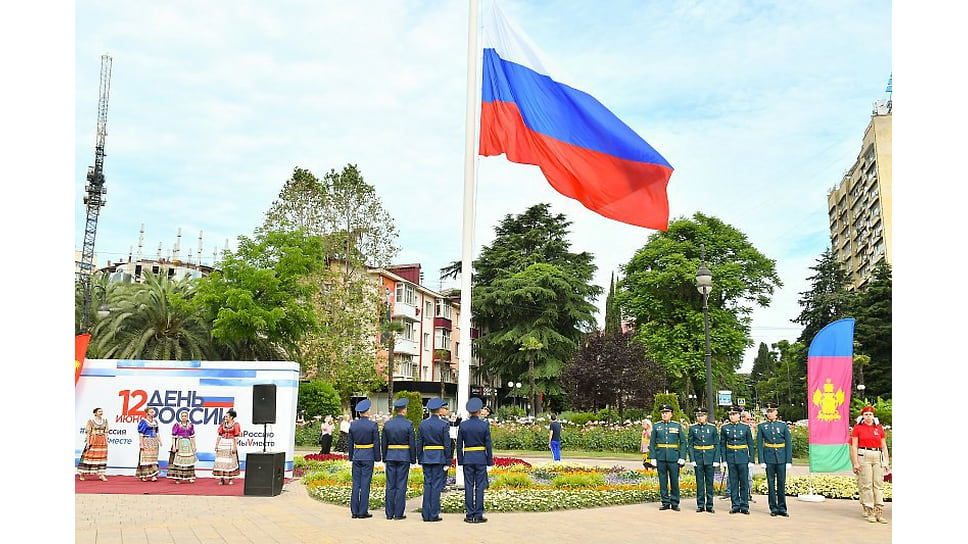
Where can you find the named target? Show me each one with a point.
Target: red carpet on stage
(129, 485)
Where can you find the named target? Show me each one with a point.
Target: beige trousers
(870, 478)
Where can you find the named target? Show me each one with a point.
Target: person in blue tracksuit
(364, 450)
(704, 456)
(474, 454)
(667, 448)
(434, 454)
(774, 448)
(736, 449)
(399, 449)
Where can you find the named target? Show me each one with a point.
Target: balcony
(402, 310)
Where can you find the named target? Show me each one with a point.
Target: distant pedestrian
(871, 461)
(326, 435)
(554, 438)
(342, 441)
(644, 446)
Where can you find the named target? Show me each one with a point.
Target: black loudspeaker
(264, 474)
(264, 403)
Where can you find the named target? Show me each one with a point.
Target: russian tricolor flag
(583, 149)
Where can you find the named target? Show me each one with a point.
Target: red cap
(867, 409)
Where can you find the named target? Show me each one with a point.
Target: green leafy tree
(659, 293)
(542, 303)
(763, 364)
(531, 346)
(153, 320)
(528, 282)
(319, 398)
(826, 301)
(256, 302)
(872, 331)
(609, 370)
(613, 314)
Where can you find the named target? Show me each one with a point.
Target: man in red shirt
(869, 455)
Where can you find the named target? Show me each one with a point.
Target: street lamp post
(704, 282)
(861, 387)
(515, 388)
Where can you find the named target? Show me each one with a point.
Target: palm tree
(153, 320)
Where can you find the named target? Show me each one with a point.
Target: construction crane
(94, 194)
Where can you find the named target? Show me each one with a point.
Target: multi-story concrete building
(426, 352)
(134, 270)
(860, 206)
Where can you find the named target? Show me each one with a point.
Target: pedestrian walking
(871, 461)
(736, 449)
(475, 456)
(434, 454)
(554, 438)
(399, 450)
(326, 429)
(774, 449)
(704, 456)
(667, 448)
(364, 450)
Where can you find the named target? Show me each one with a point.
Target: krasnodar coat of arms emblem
(829, 402)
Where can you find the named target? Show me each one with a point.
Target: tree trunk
(390, 365)
(531, 396)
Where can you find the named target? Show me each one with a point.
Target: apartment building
(859, 207)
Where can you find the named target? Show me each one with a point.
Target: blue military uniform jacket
(668, 442)
(398, 441)
(364, 440)
(704, 444)
(433, 442)
(774, 444)
(736, 443)
(474, 442)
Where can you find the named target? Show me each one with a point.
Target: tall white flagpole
(467, 242)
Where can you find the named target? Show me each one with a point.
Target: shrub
(578, 480)
(506, 413)
(512, 480)
(318, 398)
(667, 398)
(414, 409)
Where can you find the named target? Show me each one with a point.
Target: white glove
(413, 466)
(487, 468)
(692, 463)
(751, 465)
(653, 462)
(682, 462)
(445, 467)
(789, 466)
(715, 464)
(763, 465)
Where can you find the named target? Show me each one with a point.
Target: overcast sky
(759, 106)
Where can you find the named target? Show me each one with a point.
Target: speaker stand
(265, 437)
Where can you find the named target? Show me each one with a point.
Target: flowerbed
(516, 486)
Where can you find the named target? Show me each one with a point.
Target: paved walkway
(294, 517)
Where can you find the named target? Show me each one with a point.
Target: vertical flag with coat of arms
(80, 350)
(830, 369)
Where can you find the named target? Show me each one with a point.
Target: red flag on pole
(80, 349)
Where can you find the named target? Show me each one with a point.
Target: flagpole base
(811, 498)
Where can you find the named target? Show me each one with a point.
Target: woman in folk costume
(149, 444)
(94, 458)
(181, 465)
(226, 464)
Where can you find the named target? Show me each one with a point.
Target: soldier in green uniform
(736, 449)
(667, 448)
(704, 456)
(774, 447)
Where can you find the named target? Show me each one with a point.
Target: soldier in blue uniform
(433, 453)
(474, 454)
(736, 449)
(774, 447)
(704, 455)
(667, 449)
(363, 444)
(399, 452)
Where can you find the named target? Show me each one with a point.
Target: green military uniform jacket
(704, 444)
(736, 443)
(668, 442)
(774, 445)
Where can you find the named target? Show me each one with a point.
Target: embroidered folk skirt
(94, 458)
(182, 466)
(226, 461)
(148, 459)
